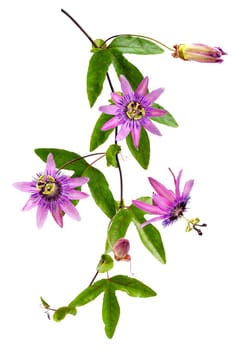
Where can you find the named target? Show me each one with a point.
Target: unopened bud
(121, 249)
(199, 53)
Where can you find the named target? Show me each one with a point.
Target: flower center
(47, 185)
(178, 211)
(135, 111)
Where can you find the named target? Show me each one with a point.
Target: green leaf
(96, 74)
(105, 264)
(44, 303)
(167, 119)
(111, 153)
(142, 154)
(61, 313)
(61, 157)
(149, 235)
(110, 310)
(135, 45)
(100, 191)
(89, 294)
(126, 68)
(132, 286)
(119, 225)
(98, 136)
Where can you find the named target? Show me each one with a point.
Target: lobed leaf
(61, 313)
(110, 310)
(167, 119)
(89, 294)
(149, 235)
(98, 136)
(135, 45)
(100, 191)
(142, 154)
(96, 74)
(118, 228)
(132, 286)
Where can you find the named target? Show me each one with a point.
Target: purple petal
(161, 202)
(162, 190)
(57, 214)
(157, 218)
(31, 203)
(153, 95)
(177, 182)
(155, 112)
(136, 131)
(41, 215)
(74, 194)
(78, 181)
(142, 87)
(187, 188)
(24, 186)
(70, 210)
(116, 97)
(50, 168)
(109, 109)
(111, 123)
(147, 123)
(124, 132)
(125, 86)
(148, 208)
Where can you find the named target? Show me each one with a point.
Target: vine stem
(112, 90)
(93, 279)
(81, 28)
(79, 158)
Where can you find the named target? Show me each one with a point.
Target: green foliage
(123, 67)
(61, 313)
(119, 225)
(97, 69)
(88, 294)
(105, 264)
(61, 157)
(135, 45)
(100, 191)
(98, 137)
(111, 154)
(142, 154)
(167, 119)
(44, 303)
(110, 306)
(149, 234)
(110, 310)
(132, 287)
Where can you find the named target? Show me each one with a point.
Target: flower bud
(121, 249)
(199, 53)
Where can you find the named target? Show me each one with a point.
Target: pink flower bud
(199, 53)
(121, 249)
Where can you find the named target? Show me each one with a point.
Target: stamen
(47, 185)
(192, 225)
(135, 111)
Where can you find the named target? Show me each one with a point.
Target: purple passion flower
(199, 53)
(52, 191)
(133, 110)
(169, 206)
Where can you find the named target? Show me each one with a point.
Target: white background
(43, 103)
